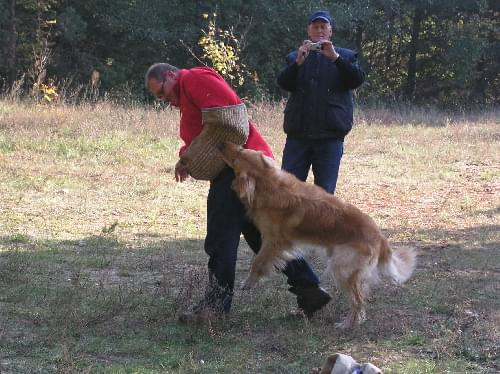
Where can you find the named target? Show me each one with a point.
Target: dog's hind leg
(355, 291)
(349, 272)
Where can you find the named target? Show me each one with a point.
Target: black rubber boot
(310, 299)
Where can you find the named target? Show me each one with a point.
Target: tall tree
(11, 45)
(416, 24)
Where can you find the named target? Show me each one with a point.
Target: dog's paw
(249, 283)
(344, 325)
(351, 321)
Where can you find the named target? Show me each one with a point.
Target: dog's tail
(397, 264)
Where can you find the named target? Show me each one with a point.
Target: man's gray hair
(157, 72)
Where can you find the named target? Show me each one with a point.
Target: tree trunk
(359, 39)
(412, 61)
(11, 55)
(389, 44)
(478, 93)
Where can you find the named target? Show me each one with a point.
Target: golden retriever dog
(292, 215)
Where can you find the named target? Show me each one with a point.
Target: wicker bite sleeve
(229, 123)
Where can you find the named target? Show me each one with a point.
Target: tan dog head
(244, 160)
(248, 165)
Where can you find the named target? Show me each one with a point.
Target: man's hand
(302, 52)
(328, 50)
(181, 172)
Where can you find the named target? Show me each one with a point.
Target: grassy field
(100, 249)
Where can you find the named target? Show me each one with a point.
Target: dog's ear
(267, 161)
(244, 186)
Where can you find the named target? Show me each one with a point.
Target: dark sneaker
(215, 305)
(201, 317)
(310, 299)
(201, 314)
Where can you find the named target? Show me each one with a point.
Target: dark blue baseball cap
(322, 15)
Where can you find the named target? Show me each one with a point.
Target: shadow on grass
(104, 303)
(96, 301)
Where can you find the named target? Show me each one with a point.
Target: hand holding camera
(305, 48)
(316, 47)
(324, 47)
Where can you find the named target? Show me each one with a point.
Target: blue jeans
(323, 155)
(226, 221)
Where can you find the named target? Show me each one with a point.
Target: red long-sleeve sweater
(202, 88)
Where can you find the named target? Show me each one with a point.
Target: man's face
(319, 30)
(164, 90)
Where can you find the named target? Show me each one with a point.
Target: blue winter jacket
(321, 103)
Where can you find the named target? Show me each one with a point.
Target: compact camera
(316, 47)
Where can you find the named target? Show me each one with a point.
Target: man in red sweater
(194, 90)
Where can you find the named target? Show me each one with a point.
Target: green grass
(100, 249)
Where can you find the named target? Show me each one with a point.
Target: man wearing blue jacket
(319, 112)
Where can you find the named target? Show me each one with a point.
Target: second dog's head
(248, 165)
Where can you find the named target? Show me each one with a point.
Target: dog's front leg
(249, 282)
(262, 263)
(258, 269)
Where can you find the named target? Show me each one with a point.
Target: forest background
(441, 53)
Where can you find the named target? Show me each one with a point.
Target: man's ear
(244, 186)
(171, 75)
